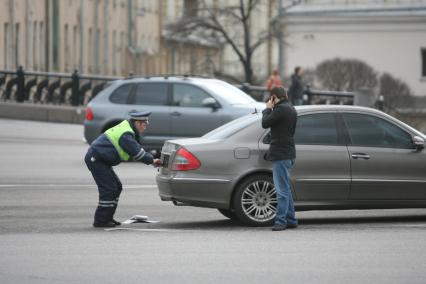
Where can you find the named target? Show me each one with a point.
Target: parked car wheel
(228, 214)
(255, 201)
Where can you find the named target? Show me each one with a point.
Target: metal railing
(48, 87)
(310, 96)
(77, 89)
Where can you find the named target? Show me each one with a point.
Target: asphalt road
(47, 200)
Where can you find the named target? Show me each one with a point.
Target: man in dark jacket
(295, 91)
(117, 144)
(281, 117)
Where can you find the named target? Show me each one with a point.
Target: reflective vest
(114, 134)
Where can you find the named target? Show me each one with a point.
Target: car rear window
(232, 127)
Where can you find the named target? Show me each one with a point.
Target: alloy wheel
(259, 201)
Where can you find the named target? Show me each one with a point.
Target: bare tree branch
(232, 24)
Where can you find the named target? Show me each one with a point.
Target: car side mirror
(419, 143)
(210, 102)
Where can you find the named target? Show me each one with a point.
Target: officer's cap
(139, 115)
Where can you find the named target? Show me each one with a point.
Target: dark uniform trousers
(109, 187)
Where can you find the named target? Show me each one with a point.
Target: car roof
(308, 108)
(236, 125)
(172, 78)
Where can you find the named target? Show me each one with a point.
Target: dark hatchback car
(180, 106)
(347, 158)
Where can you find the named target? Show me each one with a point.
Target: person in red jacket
(273, 81)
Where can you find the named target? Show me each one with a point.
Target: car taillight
(185, 161)
(89, 113)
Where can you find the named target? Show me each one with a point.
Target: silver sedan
(347, 158)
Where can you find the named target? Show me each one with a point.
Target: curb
(40, 112)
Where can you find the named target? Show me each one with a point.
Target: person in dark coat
(281, 117)
(295, 91)
(117, 144)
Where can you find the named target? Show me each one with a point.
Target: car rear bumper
(202, 192)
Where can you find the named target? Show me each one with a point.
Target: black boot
(109, 224)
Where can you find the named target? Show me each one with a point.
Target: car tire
(255, 201)
(228, 214)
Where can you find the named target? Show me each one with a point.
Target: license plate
(166, 161)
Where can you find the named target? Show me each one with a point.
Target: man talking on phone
(281, 117)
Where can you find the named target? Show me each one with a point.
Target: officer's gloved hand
(157, 163)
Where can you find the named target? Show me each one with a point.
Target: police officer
(117, 144)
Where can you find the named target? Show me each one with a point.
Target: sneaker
(104, 225)
(292, 226)
(279, 227)
(116, 222)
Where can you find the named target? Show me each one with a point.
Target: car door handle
(360, 156)
(176, 113)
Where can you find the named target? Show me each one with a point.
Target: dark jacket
(282, 120)
(296, 88)
(105, 151)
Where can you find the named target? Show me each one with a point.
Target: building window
(67, 49)
(423, 62)
(114, 52)
(28, 46)
(6, 45)
(97, 51)
(42, 43)
(35, 46)
(190, 8)
(75, 48)
(90, 50)
(122, 60)
(17, 46)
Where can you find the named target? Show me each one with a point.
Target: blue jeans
(285, 208)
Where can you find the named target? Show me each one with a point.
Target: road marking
(73, 185)
(411, 225)
(142, 230)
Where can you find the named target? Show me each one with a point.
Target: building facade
(389, 35)
(118, 37)
(102, 37)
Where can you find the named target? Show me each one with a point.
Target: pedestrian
(295, 91)
(117, 144)
(281, 117)
(274, 80)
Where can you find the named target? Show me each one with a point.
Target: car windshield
(232, 127)
(231, 94)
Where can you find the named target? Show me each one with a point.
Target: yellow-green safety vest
(114, 134)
